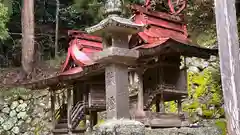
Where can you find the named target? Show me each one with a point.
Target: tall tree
(28, 49)
(56, 30)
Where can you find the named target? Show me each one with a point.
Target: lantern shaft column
(116, 78)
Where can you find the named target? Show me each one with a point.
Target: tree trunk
(56, 31)
(28, 49)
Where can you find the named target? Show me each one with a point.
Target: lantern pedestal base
(120, 127)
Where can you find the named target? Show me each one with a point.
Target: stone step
(61, 125)
(62, 121)
(64, 131)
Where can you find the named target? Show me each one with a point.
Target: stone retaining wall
(25, 114)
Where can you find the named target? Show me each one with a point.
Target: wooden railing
(77, 114)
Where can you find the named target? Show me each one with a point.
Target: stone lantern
(117, 57)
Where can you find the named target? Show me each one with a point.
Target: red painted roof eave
(166, 16)
(62, 78)
(185, 48)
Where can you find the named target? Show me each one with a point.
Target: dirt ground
(12, 77)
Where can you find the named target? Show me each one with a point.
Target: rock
(193, 69)
(15, 130)
(28, 133)
(29, 119)
(3, 117)
(41, 94)
(20, 122)
(14, 97)
(14, 105)
(28, 108)
(42, 105)
(22, 115)
(12, 113)
(26, 97)
(7, 99)
(8, 125)
(47, 115)
(6, 110)
(184, 131)
(25, 127)
(20, 101)
(35, 121)
(45, 133)
(6, 133)
(32, 129)
(1, 131)
(21, 107)
(199, 111)
(13, 120)
(213, 59)
(1, 120)
(38, 112)
(120, 127)
(5, 104)
(1, 101)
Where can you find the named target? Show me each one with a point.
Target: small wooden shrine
(152, 61)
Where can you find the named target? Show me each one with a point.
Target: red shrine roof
(162, 27)
(165, 32)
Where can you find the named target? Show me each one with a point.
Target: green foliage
(92, 11)
(222, 125)
(4, 17)
(17, 92)
(82, 124)
(171, 107)
(8, 4)
(200, 15)
(101, 121)
(207, 37)
(204, 94)
(37, 129)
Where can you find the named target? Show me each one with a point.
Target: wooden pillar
(157, 104)
(78, 92)
(160, 107)
(161, 104)
(69, 107)
(53, 98)
(179, 106)
(228, 43)
(93, 118)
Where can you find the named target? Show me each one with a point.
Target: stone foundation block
(185, 131)
(120, 127)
